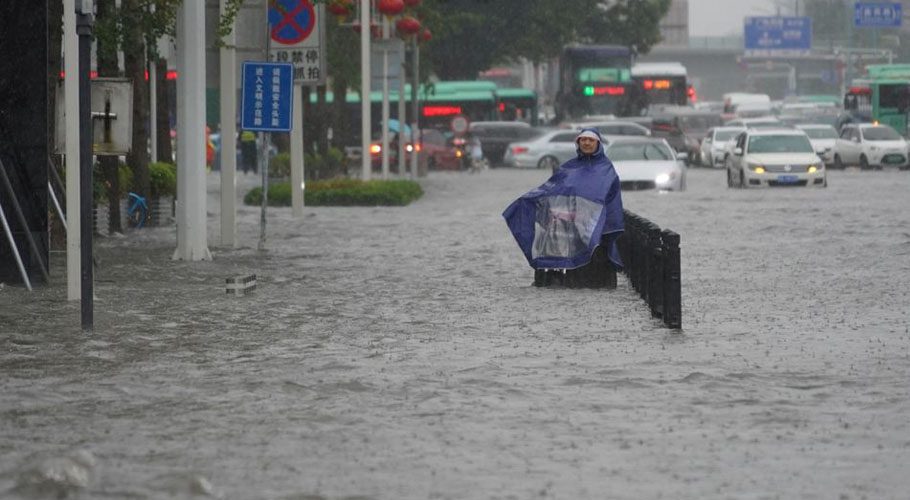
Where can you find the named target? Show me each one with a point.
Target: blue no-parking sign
(267, 96)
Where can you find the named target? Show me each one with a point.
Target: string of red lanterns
(406, 26)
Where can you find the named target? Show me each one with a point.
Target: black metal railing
(652, 264)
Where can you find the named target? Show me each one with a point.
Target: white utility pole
(228, 76)
(385, 98)
(191, 191)
(71, 98)
(297, 166)
(366, 118)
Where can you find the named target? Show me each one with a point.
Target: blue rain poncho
(560, 223)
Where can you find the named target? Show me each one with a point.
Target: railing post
(655, 297)
(672, 283)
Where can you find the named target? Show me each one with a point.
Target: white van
(733, 100)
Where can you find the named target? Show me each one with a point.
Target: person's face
(587, 145)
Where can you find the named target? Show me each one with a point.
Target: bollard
(240, 285)
(672, 282)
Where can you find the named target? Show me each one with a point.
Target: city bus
(517, 104)
(661, 83)
(595, 80)
(883, 95)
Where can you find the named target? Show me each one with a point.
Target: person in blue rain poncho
(561, 224)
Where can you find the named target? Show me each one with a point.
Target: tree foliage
(473, 35)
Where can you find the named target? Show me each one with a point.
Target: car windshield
(764, 124)
(637, 151)
(725, 135)
(698, 122)
(821, 133)
(779, 144)
(621, 129)
(880, 134)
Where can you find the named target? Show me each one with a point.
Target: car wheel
(863, 162)
(742, 180)
(838, 163)
(548, 162)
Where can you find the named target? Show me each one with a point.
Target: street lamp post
(84, 22)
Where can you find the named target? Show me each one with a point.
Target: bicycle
(138, 211)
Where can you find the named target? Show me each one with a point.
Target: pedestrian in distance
(248, 151)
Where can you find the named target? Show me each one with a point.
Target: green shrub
(100, 186)
(280, 165)
(342, 192)
(163, 179)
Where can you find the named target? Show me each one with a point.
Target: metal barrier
(652, 264)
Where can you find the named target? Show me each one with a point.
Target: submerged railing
(652, 264)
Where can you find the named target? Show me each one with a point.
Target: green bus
(882, 96)
(441, 101)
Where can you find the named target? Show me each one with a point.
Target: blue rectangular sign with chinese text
(877, 14)
(267, 97)
(777, 35)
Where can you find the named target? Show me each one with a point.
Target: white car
(774, 157)
(646, 163)
(870, 146)
(823, 139)
(612, 127)
(760, 122)
(549, 149)
(714, 145)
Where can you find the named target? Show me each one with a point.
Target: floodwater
(402, 353)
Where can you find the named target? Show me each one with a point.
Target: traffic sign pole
(297, 166)
(264, 154)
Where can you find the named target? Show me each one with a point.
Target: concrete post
(297, 166)
(365, 111)
(228, 78)
(71, 92)
(191, 191)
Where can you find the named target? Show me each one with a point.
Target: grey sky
(725, 17)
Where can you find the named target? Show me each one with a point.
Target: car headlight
(662, 179)
(815, 168)
(756, 167)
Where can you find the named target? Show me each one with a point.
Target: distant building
(674, 27)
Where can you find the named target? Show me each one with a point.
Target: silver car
(823, 139)
(647, 163)
(548, 150)
(714, 145)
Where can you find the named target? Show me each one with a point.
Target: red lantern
(341, 8)
(375, 29)
(390, 7)
(407, 26)
(426, 35)
(412, 3)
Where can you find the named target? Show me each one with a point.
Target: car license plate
(894, 158)
(787, 179)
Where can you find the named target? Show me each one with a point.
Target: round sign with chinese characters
(459, 124)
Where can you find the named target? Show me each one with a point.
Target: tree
(481, 34)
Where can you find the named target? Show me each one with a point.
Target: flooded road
(402, 353)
